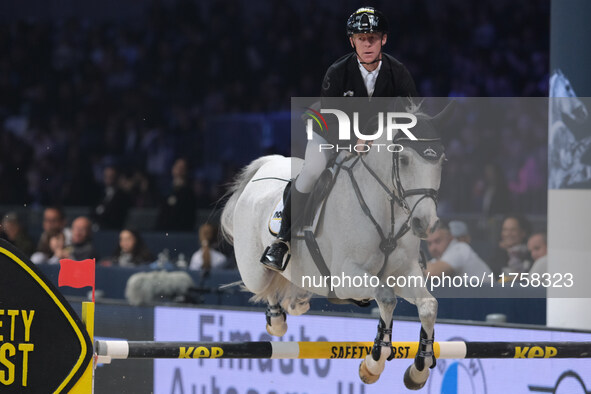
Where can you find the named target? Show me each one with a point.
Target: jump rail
(335, 350)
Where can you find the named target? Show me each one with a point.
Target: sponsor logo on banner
(457, 376)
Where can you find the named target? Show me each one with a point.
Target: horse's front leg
(417, 374)
(374, 363)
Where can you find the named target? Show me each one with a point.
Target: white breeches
(315, 162)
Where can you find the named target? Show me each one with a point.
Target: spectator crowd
(91, 107)
(112, 115)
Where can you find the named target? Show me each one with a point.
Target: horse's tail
(234, 191)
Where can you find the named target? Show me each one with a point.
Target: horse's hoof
(366, 376)
(411, 384)
(277, 330)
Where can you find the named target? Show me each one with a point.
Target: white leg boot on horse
(417, 374)
(276, 318)
(373, 365)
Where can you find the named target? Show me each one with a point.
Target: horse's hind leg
(373, 364)
(417, 374)
(276, 318)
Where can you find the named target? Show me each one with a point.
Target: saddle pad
(314, 207)
(275, 219)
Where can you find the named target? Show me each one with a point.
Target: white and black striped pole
(335, 350)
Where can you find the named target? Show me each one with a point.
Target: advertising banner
(251, 376)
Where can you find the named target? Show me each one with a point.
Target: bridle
(397, 196)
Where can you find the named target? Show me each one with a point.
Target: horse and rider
(366, 72)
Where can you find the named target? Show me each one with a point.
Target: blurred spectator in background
(451, 257)
(109, 90)
(14, 232)
(512, 255)
(59, 250)
(140, 188)
(178, 211)
(131, 250)
(54, 222)
(111, 212)
(82, 247)
(537, 245)
(207, 257)
(459, 230)
(493, 191)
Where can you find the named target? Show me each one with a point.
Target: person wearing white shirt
(452, 257)
(207, 258)
(537, 245)
(217, 260)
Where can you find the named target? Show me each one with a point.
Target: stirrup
(272, 264)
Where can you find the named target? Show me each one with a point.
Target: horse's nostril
(416, 223)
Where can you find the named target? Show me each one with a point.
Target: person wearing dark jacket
(366, 72)
(111, 212)
(82, 247)
(177, 212)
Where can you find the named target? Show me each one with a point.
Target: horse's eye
(404, 160)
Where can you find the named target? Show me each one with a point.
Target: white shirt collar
(369, 77)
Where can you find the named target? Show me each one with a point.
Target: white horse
(565, 151)
(372, 229)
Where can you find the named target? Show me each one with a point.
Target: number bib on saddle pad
(275, 219)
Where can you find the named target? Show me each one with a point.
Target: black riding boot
(274, 256)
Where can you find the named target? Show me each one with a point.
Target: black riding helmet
(367, 20)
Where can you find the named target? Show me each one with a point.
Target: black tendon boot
(277, 255)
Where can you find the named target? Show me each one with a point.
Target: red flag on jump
(77, 274)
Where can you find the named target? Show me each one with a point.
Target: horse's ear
(440, 120)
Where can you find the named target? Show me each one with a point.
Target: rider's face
(368, 45)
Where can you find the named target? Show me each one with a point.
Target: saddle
(314, 206)
(308, 227)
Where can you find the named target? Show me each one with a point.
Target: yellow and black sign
(44, 347)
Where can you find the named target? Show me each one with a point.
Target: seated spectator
(57, 243)
(82, 247)
(459, 230)
(177, 212)
(452, 257)
(58, 251)
(14, 233)
(538, 248)
(207, 257)
(54, 222)
(131, 251)
(111, 211)
(512, 255)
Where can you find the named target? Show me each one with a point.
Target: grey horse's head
(418, 171)
(564, 98)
